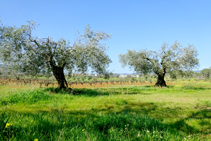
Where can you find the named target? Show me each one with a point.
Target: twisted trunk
(161, 73)
(58, 73)
(160, 80)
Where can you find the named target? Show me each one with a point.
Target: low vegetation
(180, 111)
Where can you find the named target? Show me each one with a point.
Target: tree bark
(58, 73)
(160, 80)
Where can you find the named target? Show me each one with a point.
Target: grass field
(181, 111)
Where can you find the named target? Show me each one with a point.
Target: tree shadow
(195, 88)
(94, 92)
(199, 115)
(143, 90)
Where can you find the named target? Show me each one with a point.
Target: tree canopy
(22, 51)
(169, 59)
(206, 72)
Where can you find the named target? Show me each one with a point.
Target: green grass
(179, 112)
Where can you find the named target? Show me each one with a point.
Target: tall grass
(107, 127)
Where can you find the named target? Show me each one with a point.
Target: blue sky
(134, 24)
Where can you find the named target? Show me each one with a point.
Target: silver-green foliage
(169, 59)
(23, 52)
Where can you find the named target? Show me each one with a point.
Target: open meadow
(140, 111)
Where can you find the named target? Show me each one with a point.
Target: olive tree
(169, 59)
(23, 52)
(206, 73)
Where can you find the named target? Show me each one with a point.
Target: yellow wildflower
(83, 130)
(7, 125)
(35, 139)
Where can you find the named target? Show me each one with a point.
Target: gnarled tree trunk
(58, 72)
(160, 80)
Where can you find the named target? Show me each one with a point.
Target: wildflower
(147, 131)
(138, 135)
(7, 125)
(35, 139)
(126, 125)
(83, 130)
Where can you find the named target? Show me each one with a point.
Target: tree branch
(162, 59)
(149, 59)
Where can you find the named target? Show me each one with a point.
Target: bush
(106, 76)
(89, 77)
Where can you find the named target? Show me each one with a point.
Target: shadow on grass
(131, 110)
(143, 90)
(95, 92)
(199, 115)
(105, 127)
(195, 88)
(183, 87)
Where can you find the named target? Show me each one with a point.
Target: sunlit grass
(178, 112)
